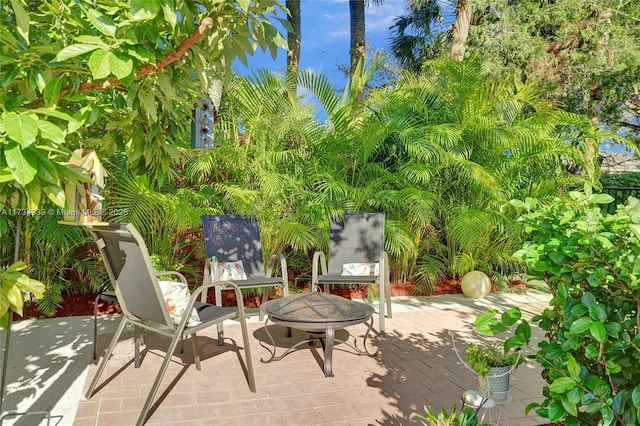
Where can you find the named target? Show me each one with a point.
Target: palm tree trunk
(460, 31)
(293, 41)
(357, 48)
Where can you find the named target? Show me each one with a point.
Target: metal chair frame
(122, 249)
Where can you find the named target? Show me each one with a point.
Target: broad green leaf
(556, 411)
(144, 9)
(89, 39)
(99, 64)
(22, 128)
(511, 316)
(34, 194)
(573, 368)
(22, 19)
(15, 298)
(635, 397)
(101, 22)
(72, 173)
(148, 101)
(4, 304)
(16, 266)
(55, 194)
(165, 85)
(597, 313)
(523, 333)
(619, 401)
(588, 299)
(562, 384)
(593, 407)
(580, 325)
(244, 4)
(574, 396)
(569, 407)
(6, 175)
(50, 131)
(557, 256)
(635, 228)
(169, 13)
(601, 198)
(607, 416)
(74, 50)
(29, 284)
(46, 169)
(121, 65)
(598, 332)
(53, 113)
(23, 164)
(52, 92)
(9, 74)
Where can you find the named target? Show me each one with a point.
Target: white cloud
(380, 18)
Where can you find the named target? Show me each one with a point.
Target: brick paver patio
(415, 366)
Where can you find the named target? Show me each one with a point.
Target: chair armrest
(206, 275)
(172, 273)
(283, 270)
(202, 292)
(225, 285)
(318, 258)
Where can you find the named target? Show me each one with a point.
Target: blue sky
(325, 38)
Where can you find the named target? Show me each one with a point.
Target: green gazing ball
(475, 285)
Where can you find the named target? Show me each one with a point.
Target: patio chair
(356, 256)
(233, 243)
(143, 304)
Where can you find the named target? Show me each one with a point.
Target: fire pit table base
(321, 315)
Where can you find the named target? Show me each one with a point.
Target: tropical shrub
(591, 262)
(462, 145)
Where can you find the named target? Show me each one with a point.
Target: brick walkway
(415, 366)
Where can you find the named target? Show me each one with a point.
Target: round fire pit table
(320, 314)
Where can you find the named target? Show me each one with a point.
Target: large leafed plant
(111, 76)
(591, 261)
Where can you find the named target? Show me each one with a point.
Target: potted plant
(466, 417)
(494, 361)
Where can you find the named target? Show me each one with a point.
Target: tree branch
(179, 52)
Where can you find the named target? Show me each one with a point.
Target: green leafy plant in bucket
(482, 356)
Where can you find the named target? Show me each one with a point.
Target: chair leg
(95, 327)
(218, 293)
(247, 354)
(196, 355)
(382, 308)
(107, 355)
(137, 338)
(265, 297)
(156, 383)
(388, 290)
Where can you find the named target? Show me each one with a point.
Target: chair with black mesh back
(144, 306)
(232, 244)
(356, 256)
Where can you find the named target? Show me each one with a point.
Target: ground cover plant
(591, 261)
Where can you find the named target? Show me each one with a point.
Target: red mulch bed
(82, 304)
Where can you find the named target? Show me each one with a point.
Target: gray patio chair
(143, 305)
(230, 238)
(356, 245)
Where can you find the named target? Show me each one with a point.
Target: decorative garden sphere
(475, 285)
